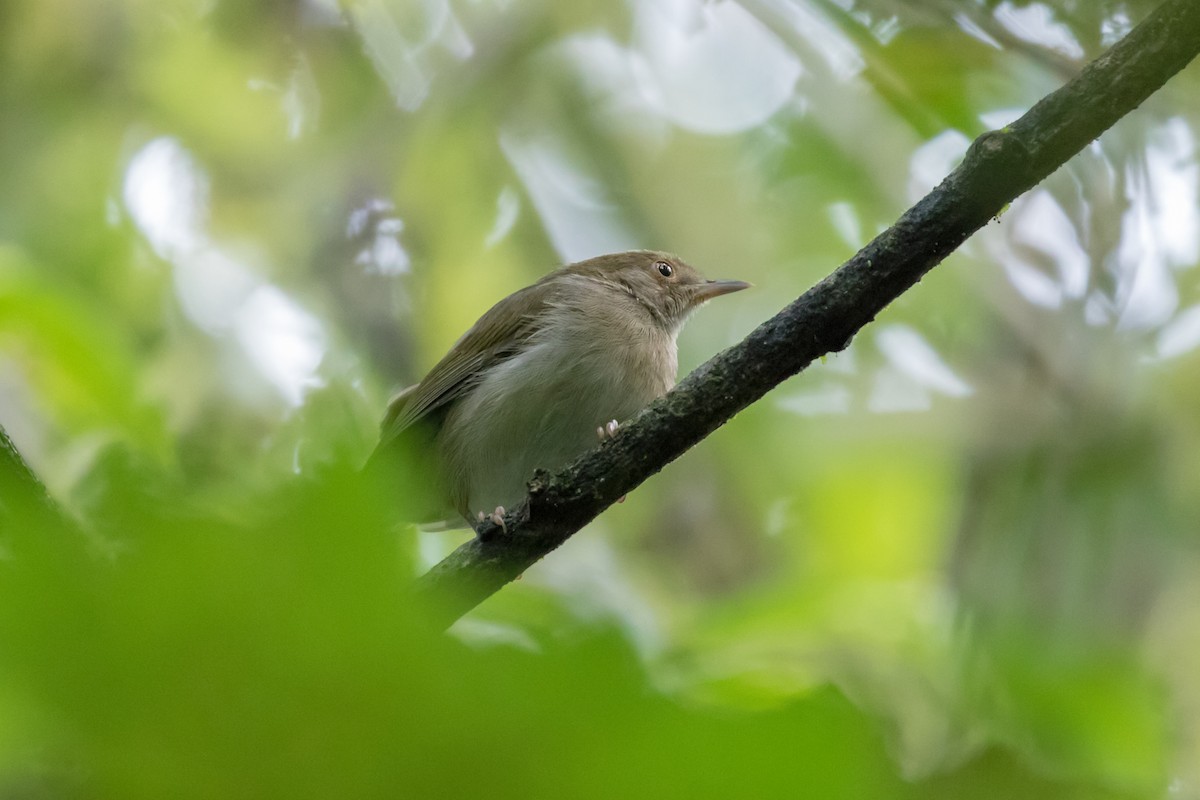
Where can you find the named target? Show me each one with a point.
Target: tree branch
(998, 167)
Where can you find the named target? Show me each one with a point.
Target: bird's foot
(608, 430)
(496, 517)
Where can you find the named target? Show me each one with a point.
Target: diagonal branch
(999, 166)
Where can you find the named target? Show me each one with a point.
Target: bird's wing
(499, 334)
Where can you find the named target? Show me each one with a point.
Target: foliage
(957, 560)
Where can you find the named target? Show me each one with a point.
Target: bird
(539, 377)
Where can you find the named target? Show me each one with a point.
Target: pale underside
(528, 398)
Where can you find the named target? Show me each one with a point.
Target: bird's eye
(664, 269)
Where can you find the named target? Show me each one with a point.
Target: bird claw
(608, 430)
(496, 518)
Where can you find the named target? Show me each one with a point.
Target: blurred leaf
(77, 354)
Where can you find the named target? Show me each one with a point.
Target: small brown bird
(527, 385)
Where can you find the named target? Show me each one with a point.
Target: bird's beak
(710, 289)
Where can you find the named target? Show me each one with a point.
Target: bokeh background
(958, 559)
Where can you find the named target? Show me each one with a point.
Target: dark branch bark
(999, 166)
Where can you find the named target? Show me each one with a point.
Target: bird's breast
(541, 407)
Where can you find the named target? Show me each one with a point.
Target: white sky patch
(886, 30)
(1150, 295)
(821, 401)
(508, 208)
(1181, 335)
(1035, 24)
(933, 161)
(1115, 28)
(1037, 222)
(482, 634)
(167, 196)
(400, 37)
(844, 217)
(710, 67)
(1160, 232)
(1034, 285)
(910, 354)
(894, 392)
(1160, 236)
(434, 543)
(166, 193)
(997, 118)
(212, 286)
(606, 69)
(384, 254)
(1042, 225)
(968, 26)
(1174, 177)
(394, 60)
(1098, 310)
(356, 223)
(284, 341)
(840, 363)
(842, 57)
(579, 218)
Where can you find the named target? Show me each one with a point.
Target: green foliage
(956, 560)
(205, 658)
